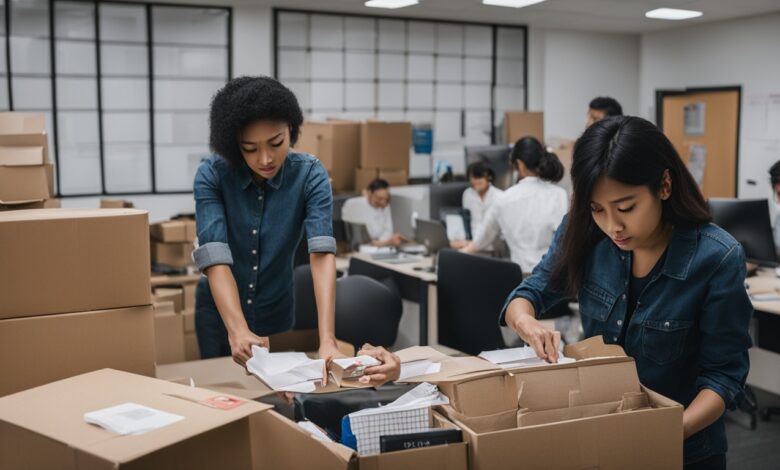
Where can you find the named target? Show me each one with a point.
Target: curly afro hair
(245, 100)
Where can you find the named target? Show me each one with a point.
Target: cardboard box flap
(20, 151)
(56, 410)
(220, 374)
(453, 369)
(591, 348)
(22, 123)
(20, 203)
(56, 214)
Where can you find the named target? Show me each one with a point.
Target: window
(125, 88)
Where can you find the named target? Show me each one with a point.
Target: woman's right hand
(545, 342)
(241, 345)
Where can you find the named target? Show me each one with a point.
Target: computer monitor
(495, 157)
(447, 195)
(432, 234)
(747, 220)
(357, 234)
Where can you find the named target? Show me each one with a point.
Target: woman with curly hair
(253, 200)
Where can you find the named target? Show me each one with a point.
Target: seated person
(477, 198)
(528, 213)
(373, 210)
(602, 107)
(774, 202)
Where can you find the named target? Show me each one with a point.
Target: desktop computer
(747, 220)
(495, 157)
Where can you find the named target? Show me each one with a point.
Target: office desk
(765, 353)
(414, 285)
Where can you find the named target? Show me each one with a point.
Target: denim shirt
(690, 329)
(256, 229)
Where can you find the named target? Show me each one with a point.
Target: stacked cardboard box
(168, 333)
(519, 124)
(26, 176)
(384, 153)
(172, 243)
(337, 145)
(115, 204)
(180, 289)
(74, 285)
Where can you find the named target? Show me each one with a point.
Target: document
(421, 367)
(512, 358)
(131, 418)
(314, 430)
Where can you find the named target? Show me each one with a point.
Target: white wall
(742, 52)
(577, 67)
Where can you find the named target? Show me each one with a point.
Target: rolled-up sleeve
(725, 330)
(537, 288)
(213, 245)
(318, 220)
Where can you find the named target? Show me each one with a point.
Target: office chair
(366, 312)
(472, 290)
(303, 293)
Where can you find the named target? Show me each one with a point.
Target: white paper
(287, 371)
(512, 358)
(131, 418)
(417, 368)
(314, 430)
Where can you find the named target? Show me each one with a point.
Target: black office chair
(366, 312)
(303, 292)
(471, 291)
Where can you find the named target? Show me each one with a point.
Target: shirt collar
(276, 182)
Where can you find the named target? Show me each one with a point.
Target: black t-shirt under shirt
(635, 288)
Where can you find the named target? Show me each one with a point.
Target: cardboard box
(364, 176)
(188, 317)
(158, 280)
(394, 177)
(385, 145)
(168, 334)
(177, 255)
(220, 374)
(191, 348)
(24, 176)
(45, 428)
(80, 259)
(170, 294)
(115, 204)
(280, 443)
(189, 295)
(174, 231)
(519, 124)
(23, 205)
(38, 350)
(337, 145)
(595, 405)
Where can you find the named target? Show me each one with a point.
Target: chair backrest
(367, 311)
(305, 304)
(471, 291)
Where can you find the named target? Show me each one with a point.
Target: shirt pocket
(663, 340)
(595, 302)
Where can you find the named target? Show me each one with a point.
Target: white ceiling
(624, 16)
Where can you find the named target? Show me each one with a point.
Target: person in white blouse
(528, 213)
(477, 198)
(373, 210)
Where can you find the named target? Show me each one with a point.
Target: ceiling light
(672, 14)
(511, 3)
(392, 4)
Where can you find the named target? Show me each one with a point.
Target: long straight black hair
(632, 151)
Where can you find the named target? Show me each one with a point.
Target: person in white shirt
(477, 199)
(774, 203)
(528, 213)
(373, 210)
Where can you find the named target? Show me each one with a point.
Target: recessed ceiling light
(511, 3)
(672, 14)
(391, 4)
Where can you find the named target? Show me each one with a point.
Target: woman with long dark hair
(652, 274)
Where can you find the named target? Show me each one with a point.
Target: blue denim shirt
(256, 229)
(690, 329)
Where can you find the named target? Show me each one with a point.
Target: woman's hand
(389, 370)
(328, 351)
(241, 345)
(458, 244)
(545, 342)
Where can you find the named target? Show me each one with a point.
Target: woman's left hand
(328, 351)
(389, 370)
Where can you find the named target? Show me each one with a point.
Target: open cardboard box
(592, 413)
(44, 427)
(173, 231)
(281, 443)
(24, 160)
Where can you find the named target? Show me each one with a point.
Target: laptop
(432, 234)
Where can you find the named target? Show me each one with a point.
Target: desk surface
(403, 268)
(765, 284)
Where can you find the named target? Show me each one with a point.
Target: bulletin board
(703, 126)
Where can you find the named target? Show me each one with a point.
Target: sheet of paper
(512, 358)
(131, 418)
(416, 368)
(314, 430)
(289, 371)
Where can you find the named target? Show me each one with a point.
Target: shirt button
(622, 257)
(614, 338)
(620, 322)
(624, 296)
(254, 232)
(667, 325)
(254, 252)
(249, 301)
(259, 198)
(251, 286)
(254, 268)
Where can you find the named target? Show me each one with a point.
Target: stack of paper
(410, 413)
(513, 358)
(131, 418)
